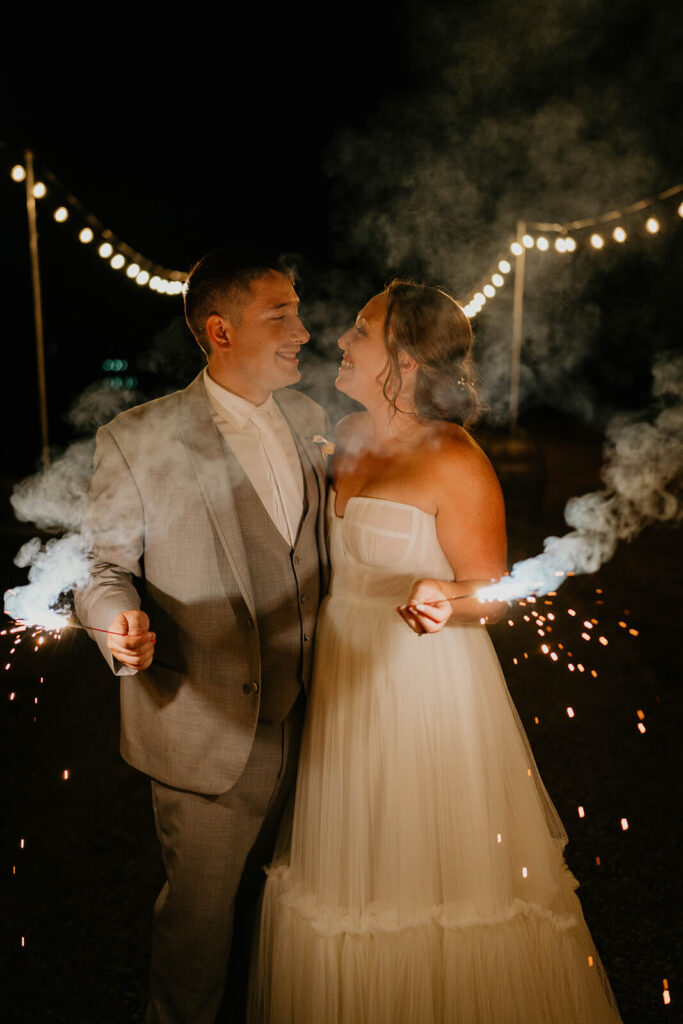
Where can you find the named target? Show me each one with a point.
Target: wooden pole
(517, 324)
(37, 305)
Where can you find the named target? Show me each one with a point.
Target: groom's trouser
(206, 842)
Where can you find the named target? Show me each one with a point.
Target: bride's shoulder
(456, 459)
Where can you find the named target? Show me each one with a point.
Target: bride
(425, 881)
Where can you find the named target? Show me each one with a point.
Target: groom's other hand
(135, 647)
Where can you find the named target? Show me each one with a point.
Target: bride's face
(364, 364)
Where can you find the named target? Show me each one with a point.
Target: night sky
(406, 138)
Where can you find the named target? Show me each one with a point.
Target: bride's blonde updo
(431, 327)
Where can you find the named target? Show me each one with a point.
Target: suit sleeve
(114, 532)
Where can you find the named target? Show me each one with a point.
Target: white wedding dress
(425, 883)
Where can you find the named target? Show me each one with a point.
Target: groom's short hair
(219, 283)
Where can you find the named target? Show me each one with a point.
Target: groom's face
(265, 335)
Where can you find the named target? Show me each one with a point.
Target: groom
(208, 565)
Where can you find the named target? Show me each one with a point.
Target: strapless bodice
(380, 547)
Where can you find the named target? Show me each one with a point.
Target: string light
(565, 242)
(110, 248)
(170, 282)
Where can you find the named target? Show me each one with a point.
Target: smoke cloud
(433, 185)
(643, 474)
(56, 501)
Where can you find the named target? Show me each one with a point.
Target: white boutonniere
(326, 447)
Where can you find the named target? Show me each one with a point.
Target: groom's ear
(218, 331)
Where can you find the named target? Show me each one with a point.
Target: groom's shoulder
(158, 414)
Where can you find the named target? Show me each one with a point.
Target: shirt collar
(234, 409)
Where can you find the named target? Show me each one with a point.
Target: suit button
(251, 687)
(297, 559)
(306, 637)
(302, 599)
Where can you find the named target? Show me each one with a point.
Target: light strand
(564, 241)
(91, 232)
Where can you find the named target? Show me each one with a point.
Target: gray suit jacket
(165, 536)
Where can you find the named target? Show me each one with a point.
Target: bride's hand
(427, 610)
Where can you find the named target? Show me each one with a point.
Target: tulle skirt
(424, 882)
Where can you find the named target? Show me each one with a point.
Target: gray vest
(285, 583)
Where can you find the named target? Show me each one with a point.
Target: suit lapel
(218, 475)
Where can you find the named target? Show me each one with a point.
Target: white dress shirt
(261, 440)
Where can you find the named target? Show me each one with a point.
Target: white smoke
(53, 569)
(56, 501)
(643, 473)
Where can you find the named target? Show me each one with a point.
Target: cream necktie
(287, 508)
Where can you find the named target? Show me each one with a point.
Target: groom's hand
(135, 648)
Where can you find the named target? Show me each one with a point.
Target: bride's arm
(470, 524)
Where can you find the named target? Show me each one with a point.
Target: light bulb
(561, 244)
(18, 173)
(489, 291)
(504, 267)
(39, 190)
(652, 225)
(85, 235)
(117, 261)
(570, 244)
(498, 280)
(619, 235)
(142, 278)
(132, 270)
(60, 214)
(516, 249)
(542, 244)
(105, 250)
(527, 242)
(597, 241)
(680, 210)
